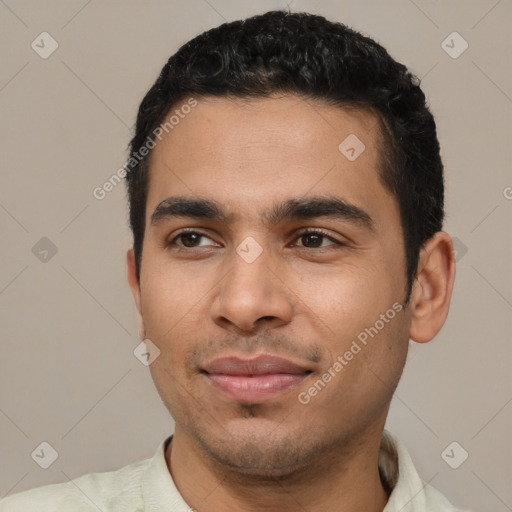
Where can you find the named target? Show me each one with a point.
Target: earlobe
(432, 290)
(134, 283)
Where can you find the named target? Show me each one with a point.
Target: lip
(254, 380)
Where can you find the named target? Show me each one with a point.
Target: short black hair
(310, 56)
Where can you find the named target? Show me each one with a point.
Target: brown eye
(312, 240)
(316, 240)
(190, 239)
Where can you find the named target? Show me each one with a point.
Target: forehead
(251, 152)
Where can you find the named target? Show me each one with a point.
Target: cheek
(173, 302)
(168, 297)
(354, 304)
(367, 373)
(343, 295)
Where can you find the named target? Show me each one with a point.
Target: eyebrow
(291, 209)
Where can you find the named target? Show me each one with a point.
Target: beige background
(68, 375)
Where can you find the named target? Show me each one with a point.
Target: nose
(252, 296)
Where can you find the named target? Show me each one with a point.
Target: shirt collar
(395, 465)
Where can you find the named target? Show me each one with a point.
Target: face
(272, 280)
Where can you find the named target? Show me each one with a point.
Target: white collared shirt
(147, 486)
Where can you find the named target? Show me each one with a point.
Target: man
(286, 203)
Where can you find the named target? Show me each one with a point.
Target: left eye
(315, 239)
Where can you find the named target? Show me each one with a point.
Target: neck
(344, 480)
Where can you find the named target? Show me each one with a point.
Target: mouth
(254, 380)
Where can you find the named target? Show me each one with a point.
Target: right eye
(188, 240)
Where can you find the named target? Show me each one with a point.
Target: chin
(261, 454)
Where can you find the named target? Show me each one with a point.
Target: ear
(432, 289)
(133, 281)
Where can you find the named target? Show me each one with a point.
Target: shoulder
(112, 491)
(437, 502)
(409, 492)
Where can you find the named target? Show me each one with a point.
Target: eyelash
(306, 231)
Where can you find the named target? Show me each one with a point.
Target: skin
(305, 299)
